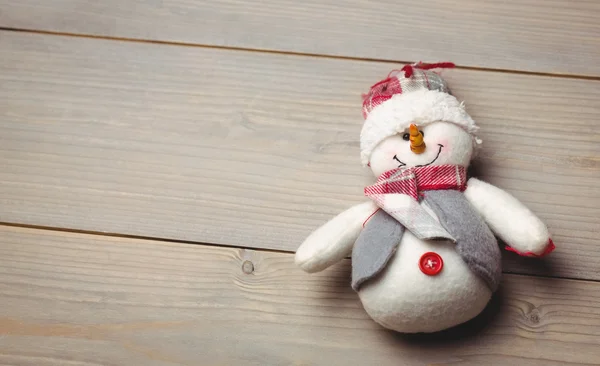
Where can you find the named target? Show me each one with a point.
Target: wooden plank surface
(95, 300)
(557, 36)
(249, 149)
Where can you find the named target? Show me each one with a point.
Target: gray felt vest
(474, 241)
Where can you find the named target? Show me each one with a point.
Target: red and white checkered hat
(410, 95)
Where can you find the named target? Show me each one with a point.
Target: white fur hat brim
(420, 107)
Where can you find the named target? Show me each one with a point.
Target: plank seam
(290, 53)
(191, 242)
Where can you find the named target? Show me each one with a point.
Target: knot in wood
(534, 316)
(247, 267)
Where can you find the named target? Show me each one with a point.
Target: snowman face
(446, 143)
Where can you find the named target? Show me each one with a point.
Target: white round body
(405, 299)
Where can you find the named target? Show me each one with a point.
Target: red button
(431, 263)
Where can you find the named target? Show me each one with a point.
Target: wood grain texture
(557, 36)
(248, 149)
(94, 300)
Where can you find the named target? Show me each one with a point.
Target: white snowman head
(444, 143)
(422, 99)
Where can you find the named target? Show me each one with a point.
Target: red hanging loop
(409, 69)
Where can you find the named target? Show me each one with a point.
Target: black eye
(406, 136)
(422, 133)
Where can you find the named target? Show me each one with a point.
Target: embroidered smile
(431, 162)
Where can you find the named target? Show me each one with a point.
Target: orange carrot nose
(417, 145)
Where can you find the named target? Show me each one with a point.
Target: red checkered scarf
(397, 192)
(411, 181)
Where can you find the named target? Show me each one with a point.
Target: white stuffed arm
(333, 241)
(508, 218)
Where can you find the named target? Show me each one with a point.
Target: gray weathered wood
(250, 149)
(92, 300)
(558, 36)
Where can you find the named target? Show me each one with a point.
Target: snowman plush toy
(424, 254)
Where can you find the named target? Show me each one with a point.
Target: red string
(409, 69)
